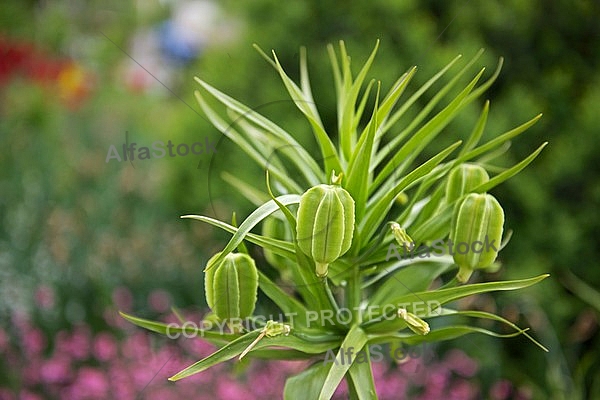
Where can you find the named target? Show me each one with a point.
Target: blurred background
(83, 235)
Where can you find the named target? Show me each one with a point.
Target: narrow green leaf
(249, 191)
(361, 379)
(253, 219)
(394, 94)
(257, 155)
(350, 96)
(227, 352)
(485, 315)
(582, 290)
(288, 304)
(358, 168)
(280, 247)
(498, 179)
(424, 112)
(307, 384)
(412, 278)
(307, 106)
(361, 107)
(356, 339)
(381, 202)
(477, 131)
(304, 158)
(443, 296)
(215, 337)
(412, 148)
(486, 85)
(436, 335)
(497, 141)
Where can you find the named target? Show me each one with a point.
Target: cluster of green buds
(325, 223)
(478, 219)
(231, 286)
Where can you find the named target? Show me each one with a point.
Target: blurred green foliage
(85, 227)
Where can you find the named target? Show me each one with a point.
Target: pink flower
(44, 297)
(6, 394)
(460, 363)
(501, 390)
(105, 347)
(462, 390)
(80, 342)
(230, 389)
(123, 298)
(90, 383)
(3, 341)
(26, 395)
(159, 300)
(56, 370)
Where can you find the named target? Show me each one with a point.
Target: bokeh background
(81, 238)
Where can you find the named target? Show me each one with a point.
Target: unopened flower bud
(231, 287)
(477, 229)
(403, 239)
(463, 179)
(271, 329)
(325, 224)
(414, 323)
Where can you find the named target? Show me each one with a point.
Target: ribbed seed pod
(476, 233)
(463, 179)
(231, 287)
(325, 224)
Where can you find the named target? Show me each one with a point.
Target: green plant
(360, 198)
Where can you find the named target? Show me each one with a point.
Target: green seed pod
(325, 224)
(476, 233)
(463, 179)
(231, 287)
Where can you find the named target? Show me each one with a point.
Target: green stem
(387, 316)
(353, 294)
(331, 297)
(450, 284)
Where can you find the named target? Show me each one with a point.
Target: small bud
(271, 329)
(402, 199)
(231, 287)
(403, 239)
(476, 233)
(463, 179)
(415, 324)
(325, 224)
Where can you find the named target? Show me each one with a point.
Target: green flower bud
(271, 329)
(402, 199)
(325, 224)
(463, 179)
(231, 287)
(476, 233)
(414, 323)
(403, 239)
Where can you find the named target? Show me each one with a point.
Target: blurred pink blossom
(44, 297)
(159, 301)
